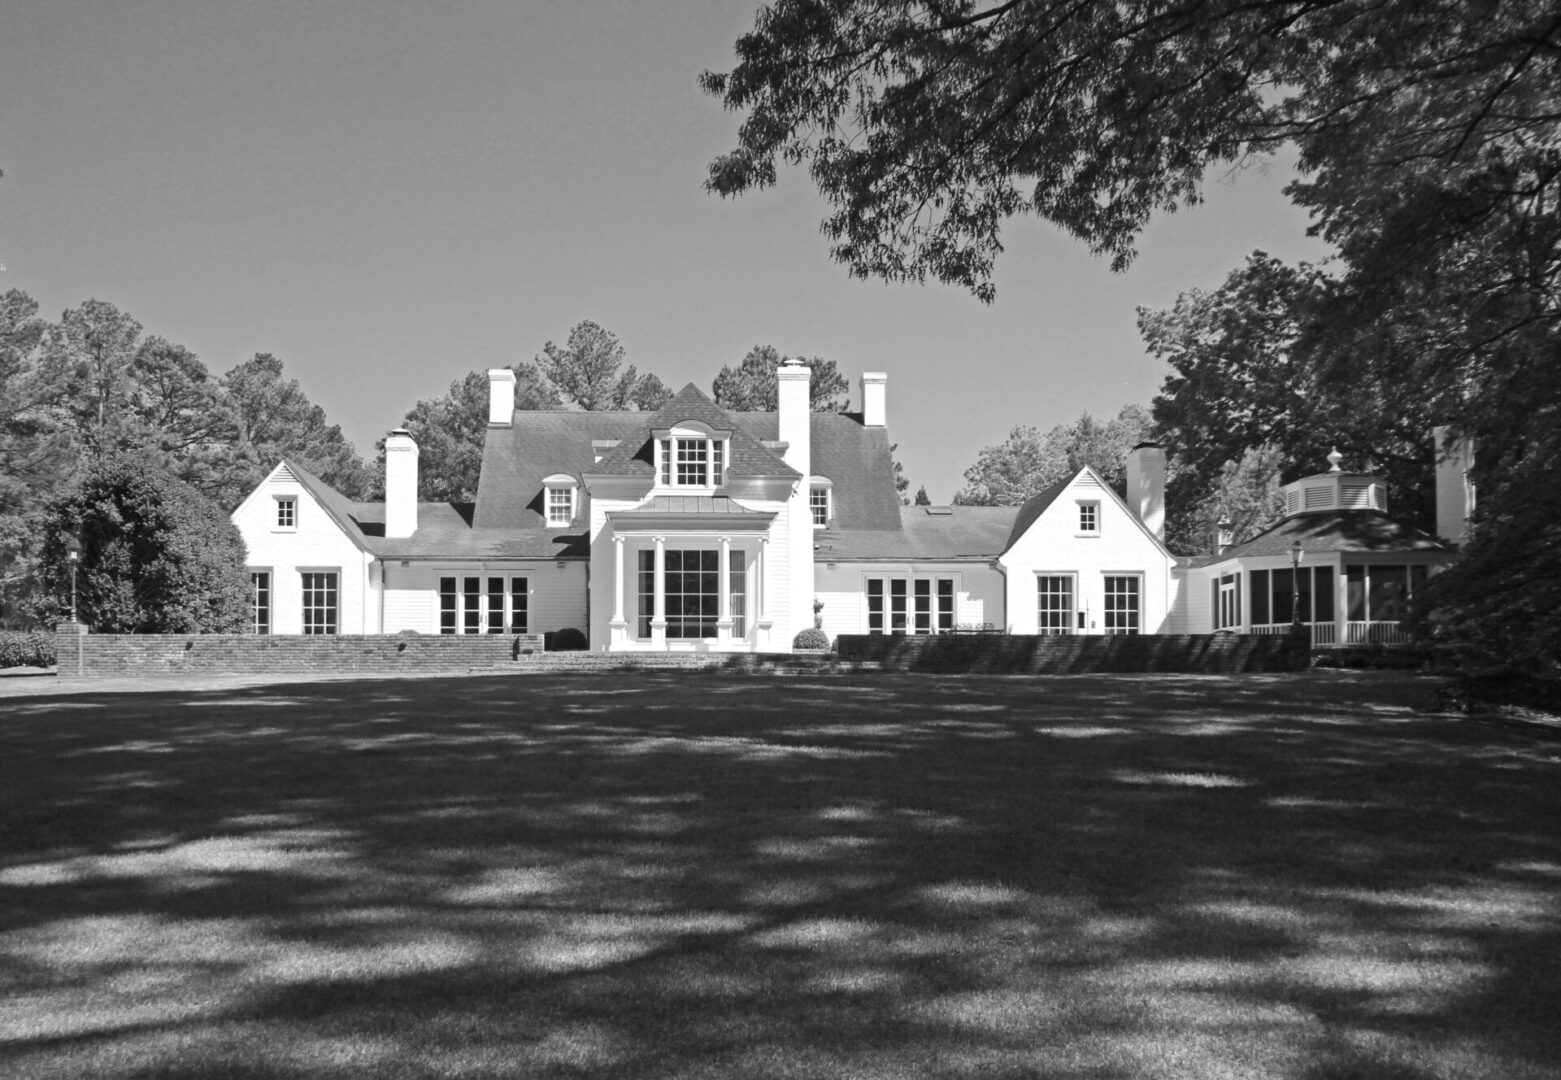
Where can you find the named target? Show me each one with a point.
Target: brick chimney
(400, 484)
(501, 397)
(1146, 486)
(1454, 488)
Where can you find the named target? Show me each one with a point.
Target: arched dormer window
(691, 455)
(821, 501)
(558, 492)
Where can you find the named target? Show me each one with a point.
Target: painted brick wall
(1077, 654)
(104, 655)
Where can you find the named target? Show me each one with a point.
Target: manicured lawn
(652, 876)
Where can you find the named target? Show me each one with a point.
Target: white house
(697, 528)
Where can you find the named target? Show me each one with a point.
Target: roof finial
(1334, 458)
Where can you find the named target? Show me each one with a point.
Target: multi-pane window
(260, 601)
(319, 601)
(560, 505)
(910, 606)
(692, 592)
(1122, 604)
(476, 605)
(646, 590)
(818, 503)
(737, 588)
(1054, 603)
(1089, 517)
(692, 462)
(287, 513)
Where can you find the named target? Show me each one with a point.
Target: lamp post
(1296, 555)
(73, 556)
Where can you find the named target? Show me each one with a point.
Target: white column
(1341, 596)
(658, 618)
(617, 588)
(723, 622)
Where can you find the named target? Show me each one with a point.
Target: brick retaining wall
(1013, 654)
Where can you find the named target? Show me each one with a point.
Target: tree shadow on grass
(702, 875)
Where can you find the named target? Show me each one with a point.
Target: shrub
(568, 639)
(810, 638)
(26, 648)
(157, 556)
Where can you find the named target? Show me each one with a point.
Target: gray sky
(388, 195)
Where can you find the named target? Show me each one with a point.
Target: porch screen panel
(1303, 595)
(945, 605)
(1284, 596)
(519, 605)
(471, 606)
(737, 588)
(1355, 593)
(1260, 598)
(1322, 594)
(1389, 587)
(495, 605)
(1054, 603)
(646, 590)
(875, 612)
(922, 594)
(447, 605)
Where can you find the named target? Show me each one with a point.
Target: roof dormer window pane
(693, 463)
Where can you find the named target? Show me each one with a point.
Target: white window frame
(697, 450)
(560, 484)
(286, 517)
(821, 496)
(900, 609)
(474, 617)
(1070, 616)
(1107, 615)
(256, 624)
(334, 625)
(1089, 517)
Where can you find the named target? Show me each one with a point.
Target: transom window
(1089, 517)
(1122, 603)
(484, 604)
(1054, 603)
(319, 596)
(287, 512)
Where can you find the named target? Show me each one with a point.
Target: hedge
(26, 648)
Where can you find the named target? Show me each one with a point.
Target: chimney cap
(401, 431)
(1148, 446)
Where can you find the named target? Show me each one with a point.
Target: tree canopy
(1029, 461)
(752, 386)
(157, 556)
(588, 371)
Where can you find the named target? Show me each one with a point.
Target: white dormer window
(1089, 519)
(559, 498)
(691, 457)
(286, 512)
(820, 494)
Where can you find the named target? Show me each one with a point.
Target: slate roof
(926, 532)
(1033, 507)
(516, 459)
(854, 458)
(1330, 531)
(745, 456)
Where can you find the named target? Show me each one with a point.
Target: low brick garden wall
(1028, 654)
(105, 655)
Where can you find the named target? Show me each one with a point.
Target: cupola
(1335, 490)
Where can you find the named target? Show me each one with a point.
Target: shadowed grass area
(700, 875)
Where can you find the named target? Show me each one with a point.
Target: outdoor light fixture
(1296, 555)
(73, 556)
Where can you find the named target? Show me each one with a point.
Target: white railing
(1324, 633)
(1374, 633)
